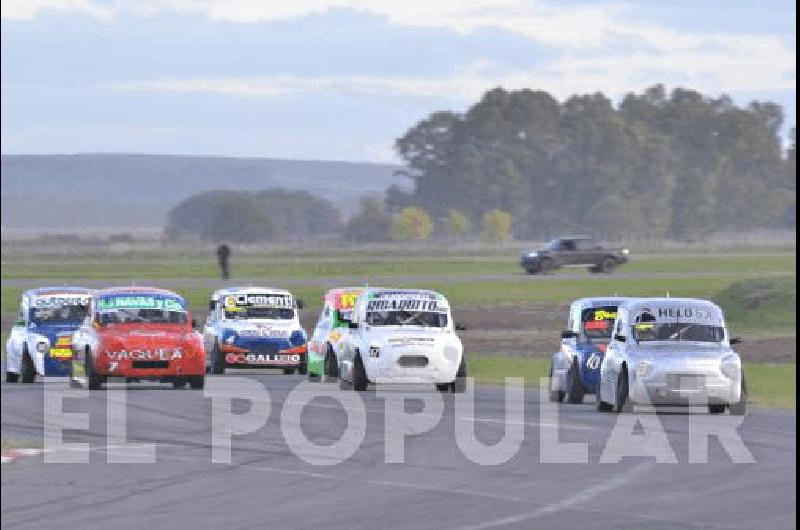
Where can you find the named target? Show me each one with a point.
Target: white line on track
(580, 497)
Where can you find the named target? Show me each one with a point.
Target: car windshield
(66, 314)
(553, 245)
(268, 313)
(428, 319)
(147, 309)
(598, 322)
(677, 331)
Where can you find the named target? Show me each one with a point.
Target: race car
(575, 368)
(40, 341)
(400, 336)
(334, 321)
(249, 327)
(674, 352)
(137, 333)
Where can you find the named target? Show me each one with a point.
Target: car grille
(686, 381)
(412, 361)
(151, 364)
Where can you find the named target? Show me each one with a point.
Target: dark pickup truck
(573, 251)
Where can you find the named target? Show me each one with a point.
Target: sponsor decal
(403, 341)
(160, 354)
(347, 300)
(263, 358)
(279, 301)
(262, 332)
(62, 349)
(110, 303)
(404, 304)
(603, 314)
(686, 313)
(596, 325)
(54, 302)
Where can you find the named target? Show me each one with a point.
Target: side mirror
(212, 305)
(569, 334)
(460, 327)
(620, 338)
(300, 303)
(735, 340)
(19, 323)
(194, 323)
(352, 325)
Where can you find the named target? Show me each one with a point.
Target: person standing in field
(223, 257)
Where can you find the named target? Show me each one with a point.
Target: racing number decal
(593, 362)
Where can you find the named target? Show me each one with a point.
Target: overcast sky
(340, 79)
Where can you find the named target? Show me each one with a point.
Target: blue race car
(40, 342)
(575, 368)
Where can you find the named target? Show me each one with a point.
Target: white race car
(41, 340)
(671, 351)
(254, 327)
(400, 336)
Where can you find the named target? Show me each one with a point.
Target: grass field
(770, 385)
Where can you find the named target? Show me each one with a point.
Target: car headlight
(625, 251)
(643, 369)
(532, 254)
(731, 366)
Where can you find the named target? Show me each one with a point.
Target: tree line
(658, 165)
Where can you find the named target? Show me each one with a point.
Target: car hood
(402, 337)
(52, 332)
(678, 350)
(144, 339)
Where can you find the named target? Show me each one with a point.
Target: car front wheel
(217, 360)
(27, 370)
(360, 380)
(740, 407)
(623, 403)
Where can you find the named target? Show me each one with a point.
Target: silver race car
(671, 351)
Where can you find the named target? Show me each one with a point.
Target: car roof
(635, 303)
(596, 301)
(50, 291)
(248, 290)
(573, 237)
(135, 289)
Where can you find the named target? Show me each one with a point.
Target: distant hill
(119, 191)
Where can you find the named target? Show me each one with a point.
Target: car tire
(11, 377)
(331, 367)
(716, 409)
(532, 270)
(740, 407)
(608, 264)
(602, 406)
(27, 372)
(93, 380)
(197, 382)
(288, 371)
(459, 386)
(217, 360)
(360, 380)
(443, 387)
(574, 392)
(556, 396)
(302, 369)
(546, 266)
(595, 269)
(623, 401)
(179, 382)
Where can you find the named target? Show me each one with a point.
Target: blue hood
(52, 365)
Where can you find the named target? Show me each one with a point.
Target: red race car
(139, 333)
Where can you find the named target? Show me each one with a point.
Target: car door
(318, 342)
(585, 252)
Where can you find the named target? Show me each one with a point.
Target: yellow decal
(348, 299)
(61, 353)
(602, 314)
(334, 336)
(230, 301)
(644, 325)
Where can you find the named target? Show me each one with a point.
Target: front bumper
(408, 367)
(686, 388)
(151, 368)
(266, 358)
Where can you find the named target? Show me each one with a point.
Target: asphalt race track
(267, 486)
